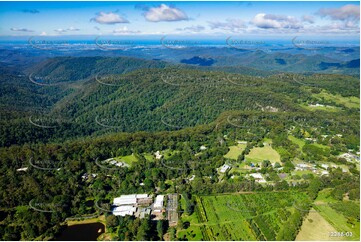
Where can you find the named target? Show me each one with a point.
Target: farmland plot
(256, 216)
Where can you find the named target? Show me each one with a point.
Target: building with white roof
(324, 166)
(325, 173)
(118, 201)
(225, 168)
(158, 203)
(124, 210)
(130, 199)
(258, 177)
(139, 196)
(158, 155)
(22, 169)
(203, 147)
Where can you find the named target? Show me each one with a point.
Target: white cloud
(21, 30)
(124, 30)
(60, 30)
(109, 18)
(164, 13)
(192, 29)
(346, 13)
(232, 25)
(272, 21)
(308, 18)
(73, 29)
(43, 33)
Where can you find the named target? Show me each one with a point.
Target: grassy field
(100, 219)
(338, 221)
(149, 157)
(258, 154)
(129, 159)
(349, 102)
(254, 216)
(192, 233)
(235, 151)
(168, 153)
(297, 141)
(324, 196)
(325, 147)
(300, 173)
(333, 217)
(315, 227)
(322, 108)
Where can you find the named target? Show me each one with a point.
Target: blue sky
(179, 18)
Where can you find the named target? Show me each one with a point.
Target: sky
(179, 18)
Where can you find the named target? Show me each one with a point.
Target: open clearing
(297, 141)
(335, 218)
(315, 227)
(100, 219)
(192, 233)
(129, 159)
(259, 154)
(349, 102)
(235, 151)
(338, 221)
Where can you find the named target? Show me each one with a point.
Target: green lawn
(149, 157)
(168, 153)
(321, 146)
(320, 108)
(235, 151)
(258, 154)
(129, 159)
(297, 141)
(349, 102)
(300, 173)
(324, 196)
(192, 233)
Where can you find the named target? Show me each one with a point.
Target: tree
(172, 233)
(354, 194)
(160, 229)
(144, 230)
(111, 221)
(266, 163)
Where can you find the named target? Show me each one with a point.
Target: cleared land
(192, 233)
(100, 219)
(235, 151)
(338, 221)
(349, 102)
(335, 218)
(323, 108)
(259, 154)
(129, 159)
(315, 227)
(297, 141)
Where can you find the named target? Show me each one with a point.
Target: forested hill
(151, 96)
(62, 69)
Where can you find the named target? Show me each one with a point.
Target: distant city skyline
(275, 19)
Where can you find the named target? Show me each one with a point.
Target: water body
(82, 232)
